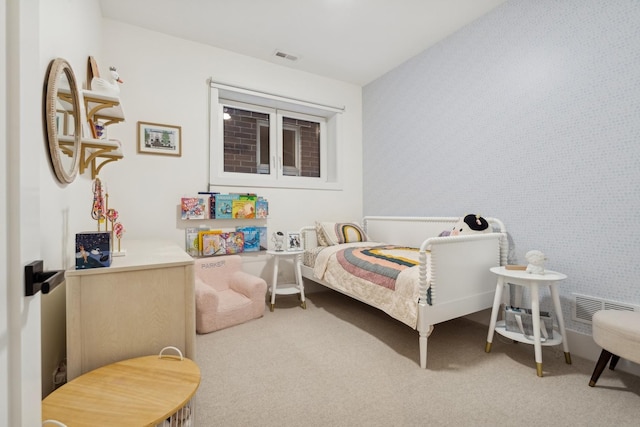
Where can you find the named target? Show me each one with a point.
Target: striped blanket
(380, 265)
(383, 276)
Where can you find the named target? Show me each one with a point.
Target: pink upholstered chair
(226, 295)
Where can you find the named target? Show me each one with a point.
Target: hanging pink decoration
(98, 207)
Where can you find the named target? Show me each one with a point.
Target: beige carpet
(342, 363)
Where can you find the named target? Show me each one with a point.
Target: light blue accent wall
(531, 115)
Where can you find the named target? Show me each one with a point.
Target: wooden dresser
(140, 304)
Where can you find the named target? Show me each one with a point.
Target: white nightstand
(531, 281)
(289, 288)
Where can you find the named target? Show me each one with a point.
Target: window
(246, 139)
(265, 140)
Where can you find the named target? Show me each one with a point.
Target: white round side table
(532, 282)
(288, 288)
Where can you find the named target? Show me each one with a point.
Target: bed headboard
(409, 231)
(412, 231)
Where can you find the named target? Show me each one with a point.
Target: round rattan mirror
(61, 111)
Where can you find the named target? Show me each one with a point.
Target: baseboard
(580, 345)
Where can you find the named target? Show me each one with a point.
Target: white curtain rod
(225, 86)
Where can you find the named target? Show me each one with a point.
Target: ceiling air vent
(584, 307)
(285, 55)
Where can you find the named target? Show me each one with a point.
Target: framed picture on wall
(155, 138)
(293, 241)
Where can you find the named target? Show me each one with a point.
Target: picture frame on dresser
(156, 138)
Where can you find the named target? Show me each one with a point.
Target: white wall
(165, 81)
(529, 114)
(63, 207)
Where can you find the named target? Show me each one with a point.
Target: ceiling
(354, 41)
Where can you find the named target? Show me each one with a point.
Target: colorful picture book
(262, 208)
(191, 244)
(202, 241)
(264, 242)
(212, 244)
(213, 205)
(194, 207)
(192, 239)
(224, 205)
(212, 202)
(251, 238)
(244, 206)
(93, 249)
(217, 242)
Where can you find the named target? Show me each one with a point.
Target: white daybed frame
(457, 268)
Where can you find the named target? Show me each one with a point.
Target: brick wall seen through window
(241, 142)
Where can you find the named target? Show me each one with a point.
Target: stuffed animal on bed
(468, 224)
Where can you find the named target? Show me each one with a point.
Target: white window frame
(223, 95)
(280, 115)
(295, 169)
(263, 169)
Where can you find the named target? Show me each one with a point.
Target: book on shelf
(224, 205)
(262, 207)
(234, 242)
(192, 239)
(212, 202)
(251, 238)
(244, 206)
(194, 207)
(211, 243)
(191, 244)
(217, 242)
(264, 242)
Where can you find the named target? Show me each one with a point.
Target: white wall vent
(584, 307)
(285, 55)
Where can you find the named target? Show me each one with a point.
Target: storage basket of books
(520, 320)
(184, 416)
(150, 390)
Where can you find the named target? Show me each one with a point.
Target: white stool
(618, 333)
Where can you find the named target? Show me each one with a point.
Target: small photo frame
(155, 138)
(293, 241)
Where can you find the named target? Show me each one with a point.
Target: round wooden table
(143, 391)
